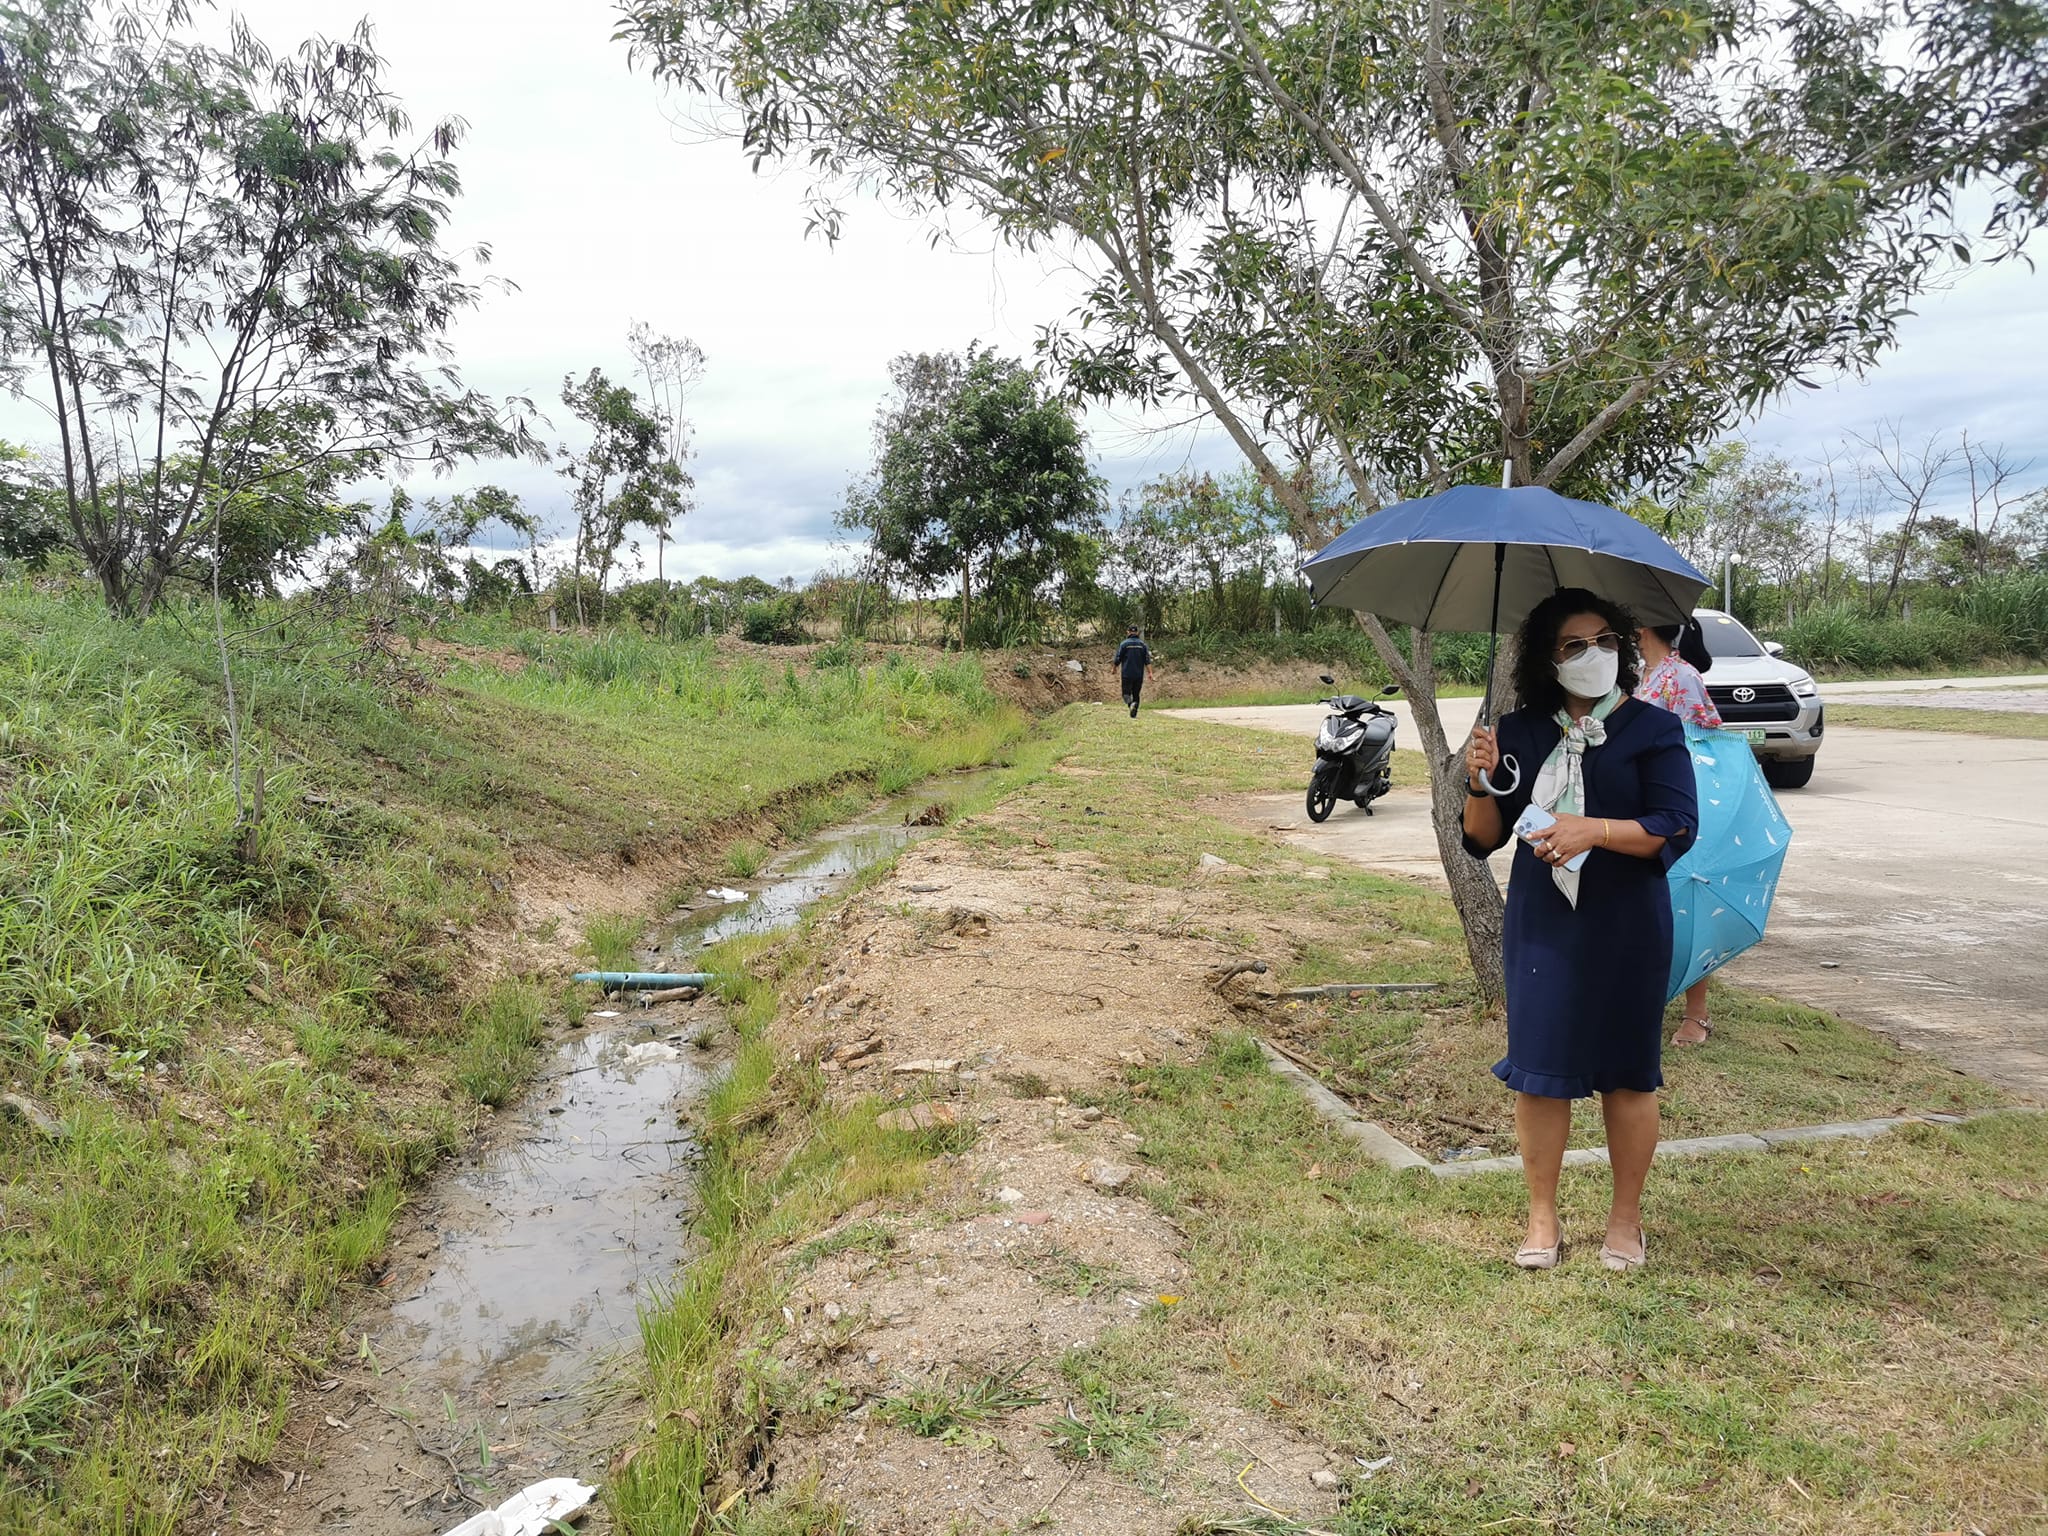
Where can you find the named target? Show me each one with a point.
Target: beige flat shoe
(1541, 1258)
(1706, 1032)
(1621, 1263)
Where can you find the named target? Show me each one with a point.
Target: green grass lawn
(1973, 722)
(252, 1056)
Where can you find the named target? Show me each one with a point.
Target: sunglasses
(1571, 650)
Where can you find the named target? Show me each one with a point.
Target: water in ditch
(500, 1352)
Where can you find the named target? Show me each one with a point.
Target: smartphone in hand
(1534, 820)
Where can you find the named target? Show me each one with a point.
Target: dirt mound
(1017, 994)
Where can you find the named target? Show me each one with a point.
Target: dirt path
(1043, 980)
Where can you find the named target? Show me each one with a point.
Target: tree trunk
(965, 567)
(1474, 892)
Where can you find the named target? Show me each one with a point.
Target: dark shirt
(1133, 658)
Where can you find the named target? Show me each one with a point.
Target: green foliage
(626, 478)
(2004, 617)
(980, 478)
(30, 527)
(2011, 610)
(222, 276)
(775, 621)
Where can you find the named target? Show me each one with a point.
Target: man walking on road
(1135, 662)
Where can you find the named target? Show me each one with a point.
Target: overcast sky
(603, 212)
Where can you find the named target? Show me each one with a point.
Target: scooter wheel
(1320, 802)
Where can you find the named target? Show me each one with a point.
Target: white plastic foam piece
(532, 1511)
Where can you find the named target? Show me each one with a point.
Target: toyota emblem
(1745, 695)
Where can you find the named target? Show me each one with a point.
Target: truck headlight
(1806, 688)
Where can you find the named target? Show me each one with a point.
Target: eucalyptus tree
(221, 269)
(1578, 237)
(626, 477)
(671, 367)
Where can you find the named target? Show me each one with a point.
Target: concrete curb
(1379, 1143)
(1383, 1146)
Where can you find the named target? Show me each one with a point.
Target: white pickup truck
(1758, 692)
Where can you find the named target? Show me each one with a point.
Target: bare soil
(1044, 979)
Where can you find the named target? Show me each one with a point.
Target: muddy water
(549, 1245)
(501, 1350)
(787, 886)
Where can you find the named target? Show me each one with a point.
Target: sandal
(1621, 1263)
(1706, 1031)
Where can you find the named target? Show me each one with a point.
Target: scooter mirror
(1325, 677)
(1390, 690)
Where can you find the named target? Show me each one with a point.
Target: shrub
(2011, 610)
(774, 620)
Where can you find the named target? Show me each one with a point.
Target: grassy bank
(1842, 1339)
(247, 1052)
(2010, 723)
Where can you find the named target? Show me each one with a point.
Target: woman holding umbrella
(1587, 942)
(1674, 656)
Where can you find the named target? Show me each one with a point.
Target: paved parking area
(1915, 898)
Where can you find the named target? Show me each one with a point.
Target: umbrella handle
(1515, 781)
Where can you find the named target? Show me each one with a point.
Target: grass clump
(743, 860)
(499, 1032)
(949, 1412)
(610, 937)
(1102, 1424)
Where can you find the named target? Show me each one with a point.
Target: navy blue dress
(1586, 986)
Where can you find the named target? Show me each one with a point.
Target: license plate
(1754, 738)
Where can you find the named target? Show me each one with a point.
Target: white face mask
(1591, 673)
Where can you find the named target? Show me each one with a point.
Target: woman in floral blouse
(1674, 656)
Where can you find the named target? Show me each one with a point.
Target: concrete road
(1915, 898)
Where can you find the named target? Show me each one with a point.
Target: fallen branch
(1355, 988)
(1217, 978)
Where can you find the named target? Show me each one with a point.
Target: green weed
(610, 939)
(949, 1412)
(499, 1033)
(1101, 1425)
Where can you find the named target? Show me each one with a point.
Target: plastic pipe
(627, 980)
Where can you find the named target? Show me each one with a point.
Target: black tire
(1788, 772)
(1320, 800)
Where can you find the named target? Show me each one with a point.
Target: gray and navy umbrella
(1477, 557)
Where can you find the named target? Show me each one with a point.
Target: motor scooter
(1354, 753)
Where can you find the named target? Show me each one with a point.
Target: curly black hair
(1536, 684)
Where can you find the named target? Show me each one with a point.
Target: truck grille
(1749, 704)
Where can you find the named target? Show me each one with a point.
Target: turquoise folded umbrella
(1721, 890)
